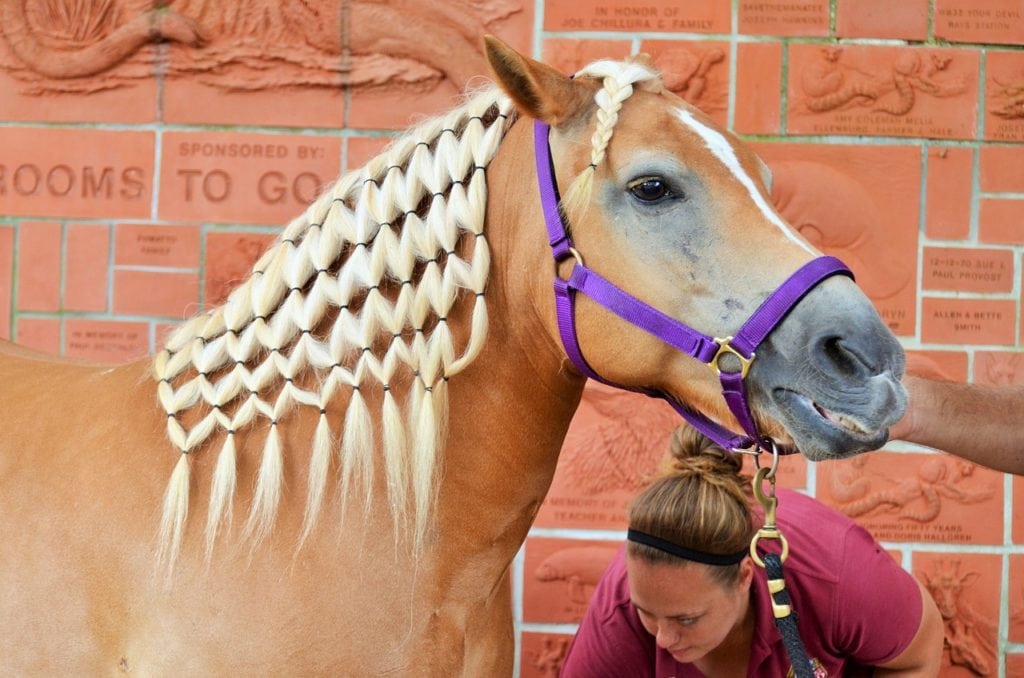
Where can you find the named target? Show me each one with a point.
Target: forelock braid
(617, 84)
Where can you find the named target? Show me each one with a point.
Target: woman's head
(689, 521)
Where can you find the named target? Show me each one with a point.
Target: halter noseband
(706, 349)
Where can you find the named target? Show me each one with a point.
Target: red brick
(696, 16)
(6, 280)
(105, 341)
(965, 586)
(568, 55)
(856, 89)
(41, 334)
(229, 261)
(984, 21)
(999, 221)
(174, 246)
(696, 71)
(1014, 664)
(938, 365)
(76, 172)
(792, 19)
(998, 367)
(791, 472)
(33, 97)
(968, 321)
(960, 269)
(1002, 169)
(360, 150)
(151, 293)
(861, 204)
(87, 269)
(1004, 96)
(915, 497)
(559, 576)
(758, 88)
(1016, 600)
(1018, 510)
(613, 445)
(542, 654)
(904, 20)
(39, 266)
(244, 178)
(949, 193)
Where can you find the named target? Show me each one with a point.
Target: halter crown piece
(706, 349)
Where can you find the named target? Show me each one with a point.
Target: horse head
(668, 207)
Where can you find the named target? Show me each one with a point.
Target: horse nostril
(845, 358)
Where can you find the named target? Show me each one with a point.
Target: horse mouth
(823, 432)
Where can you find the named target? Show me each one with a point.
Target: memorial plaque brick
(967, 270)
(986, 21)
(1004, 96)
(171, 246)
(105, 341)
(968, 321)
(696, 16)
(808, 18)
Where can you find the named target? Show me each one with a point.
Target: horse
(372, 418)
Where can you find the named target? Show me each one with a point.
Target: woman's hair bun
(691, 452)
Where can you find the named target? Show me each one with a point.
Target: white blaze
(724, 151)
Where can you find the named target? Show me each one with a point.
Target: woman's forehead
(670, 589)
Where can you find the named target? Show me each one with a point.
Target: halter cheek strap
(706, 349)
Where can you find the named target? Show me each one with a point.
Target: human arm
(979, 423)
(923, 657)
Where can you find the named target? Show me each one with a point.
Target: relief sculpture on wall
(968, 635)
(1008, 98)
(82, 46)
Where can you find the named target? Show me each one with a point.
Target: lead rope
(782, 608)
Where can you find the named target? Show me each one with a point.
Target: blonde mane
(353, 296)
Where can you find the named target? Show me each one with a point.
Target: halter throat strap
(704, 348)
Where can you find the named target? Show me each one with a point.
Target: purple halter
(668, 329)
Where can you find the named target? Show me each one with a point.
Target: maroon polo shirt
(857, 607)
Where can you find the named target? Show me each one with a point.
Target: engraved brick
(965, 587)
(984, 21)
(172, 246)
(1001, 169)
(76, 172)
(968, 321)
(359, 150)
(87, 267)
(949, 192)
(999, 367)
(542, 654)
(559, 576)
(247, 178)
(105, 341)
(838, 199)
(784, 19)
(156, 293)
(1004, 101)
(6, 279)
(999, 221)
(938, 365)
(962, 269)
(904, 20)
(697, 16)
(613, 445)
(39, 266)
(901, 497)
(758, 88)
(875, 90)
(125, 92)
(569, 56)
(696, 71)
(41, 334)
(229, 261)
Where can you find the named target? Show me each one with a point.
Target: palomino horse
(358, 440)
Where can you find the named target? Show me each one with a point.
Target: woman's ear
(746, 574)
(538, 90)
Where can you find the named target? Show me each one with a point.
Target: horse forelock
(354, 296)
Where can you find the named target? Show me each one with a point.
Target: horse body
(85, 458)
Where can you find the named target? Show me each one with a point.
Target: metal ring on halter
(575, 255)
(775, 456)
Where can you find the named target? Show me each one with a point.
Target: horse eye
(650, 190)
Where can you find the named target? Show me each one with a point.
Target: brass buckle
(770, 503)
(725, 347)
(575, 255)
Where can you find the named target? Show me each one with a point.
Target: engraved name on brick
(623, 16)
(968, 270)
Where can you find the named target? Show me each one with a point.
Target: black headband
(685, 553)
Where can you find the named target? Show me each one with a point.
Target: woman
(684, 598)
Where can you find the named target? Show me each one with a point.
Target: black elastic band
(683, 552)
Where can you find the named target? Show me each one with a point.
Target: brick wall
(135, 190)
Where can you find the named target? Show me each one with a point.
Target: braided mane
(354, 296)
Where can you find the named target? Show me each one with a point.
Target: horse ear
(537, 89)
